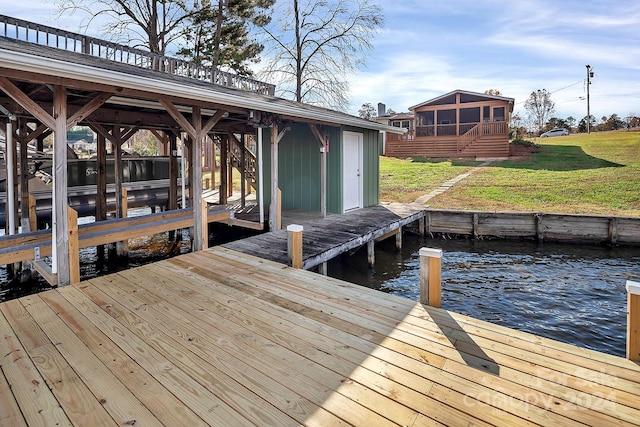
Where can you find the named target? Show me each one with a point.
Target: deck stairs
(250, 166)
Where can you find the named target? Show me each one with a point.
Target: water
(571, 293)
(142, 250)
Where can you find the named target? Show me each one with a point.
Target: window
(498, 114)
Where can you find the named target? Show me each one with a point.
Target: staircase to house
(487, 139)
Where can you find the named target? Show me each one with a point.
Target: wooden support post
(399, 238)
(421, 226)
(322, 268)
(205, 224)
(633, 321)
(279, 211)
(371, 253)
(475, 225)
(33, 213)
(430, 276)
(74, 247)
(122, 248)
(294, 245)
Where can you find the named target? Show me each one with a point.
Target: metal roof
(32, 58)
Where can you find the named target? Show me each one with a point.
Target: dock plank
(219, 337)
(37, 402)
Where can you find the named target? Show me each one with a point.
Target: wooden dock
(221, 338)
(325, 238)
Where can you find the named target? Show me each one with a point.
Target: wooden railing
(19, 29)
(467, 132)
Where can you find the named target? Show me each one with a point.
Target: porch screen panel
(425, 123)
(447, 122)
(498, 114)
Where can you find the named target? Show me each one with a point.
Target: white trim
(431, 252)
(633, 287)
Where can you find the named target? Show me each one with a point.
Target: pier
(325, 238)
(217, 337)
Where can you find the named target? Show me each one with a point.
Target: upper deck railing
(20, 29)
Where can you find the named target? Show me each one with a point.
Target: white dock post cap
(633, 287)
(294, 228)
(431, 252)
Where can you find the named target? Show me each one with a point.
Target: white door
(352, 171)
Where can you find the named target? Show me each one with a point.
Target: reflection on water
(570, 293)
(142, 250)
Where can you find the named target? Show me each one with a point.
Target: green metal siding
(299, 168)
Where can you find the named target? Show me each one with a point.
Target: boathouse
(457, 124)
(307, 157)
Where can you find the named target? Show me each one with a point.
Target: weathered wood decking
(325, 238)
(221, 338)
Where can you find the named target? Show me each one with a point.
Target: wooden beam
(276, 136)
(294, 245)
(101, 130)
(60, 224)
(213, 121)
(196, 183)
(178, 117)
(322, 138)
(430, 276)
(74, 248)
(87, 109)
(27, 103)
(633, 320)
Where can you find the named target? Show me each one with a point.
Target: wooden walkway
(325, 238)
(221, 338)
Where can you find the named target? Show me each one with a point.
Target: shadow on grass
(558, 158)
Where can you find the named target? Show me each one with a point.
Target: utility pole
(589, 75)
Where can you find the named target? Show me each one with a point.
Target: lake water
(571, 293)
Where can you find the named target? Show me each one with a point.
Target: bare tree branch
(316, 44)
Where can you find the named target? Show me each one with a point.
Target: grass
(406, 180)
(583, 174)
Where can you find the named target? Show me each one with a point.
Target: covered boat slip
(218, 337)
(48, 88)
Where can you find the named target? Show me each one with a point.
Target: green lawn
(587, 174)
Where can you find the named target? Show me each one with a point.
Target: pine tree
(219, 34)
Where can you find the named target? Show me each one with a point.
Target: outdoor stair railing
(19, 29)
(480, 129)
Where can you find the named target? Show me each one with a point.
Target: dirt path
(450, 183)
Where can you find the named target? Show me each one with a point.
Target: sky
(428, 48)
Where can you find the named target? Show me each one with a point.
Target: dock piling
(294, 245)
(633, 321)
(430, 276)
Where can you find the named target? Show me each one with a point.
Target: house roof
(483, 95)
(30, 58)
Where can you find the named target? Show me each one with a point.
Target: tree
(218, 35)
(582, 126)
(315, 44)
(150, 24)
(367, 111)
(539, 106)
(494, 92)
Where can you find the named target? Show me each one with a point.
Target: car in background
(555, 132)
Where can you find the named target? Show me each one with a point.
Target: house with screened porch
(457, 124)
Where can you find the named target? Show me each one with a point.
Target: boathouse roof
(22, 60)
